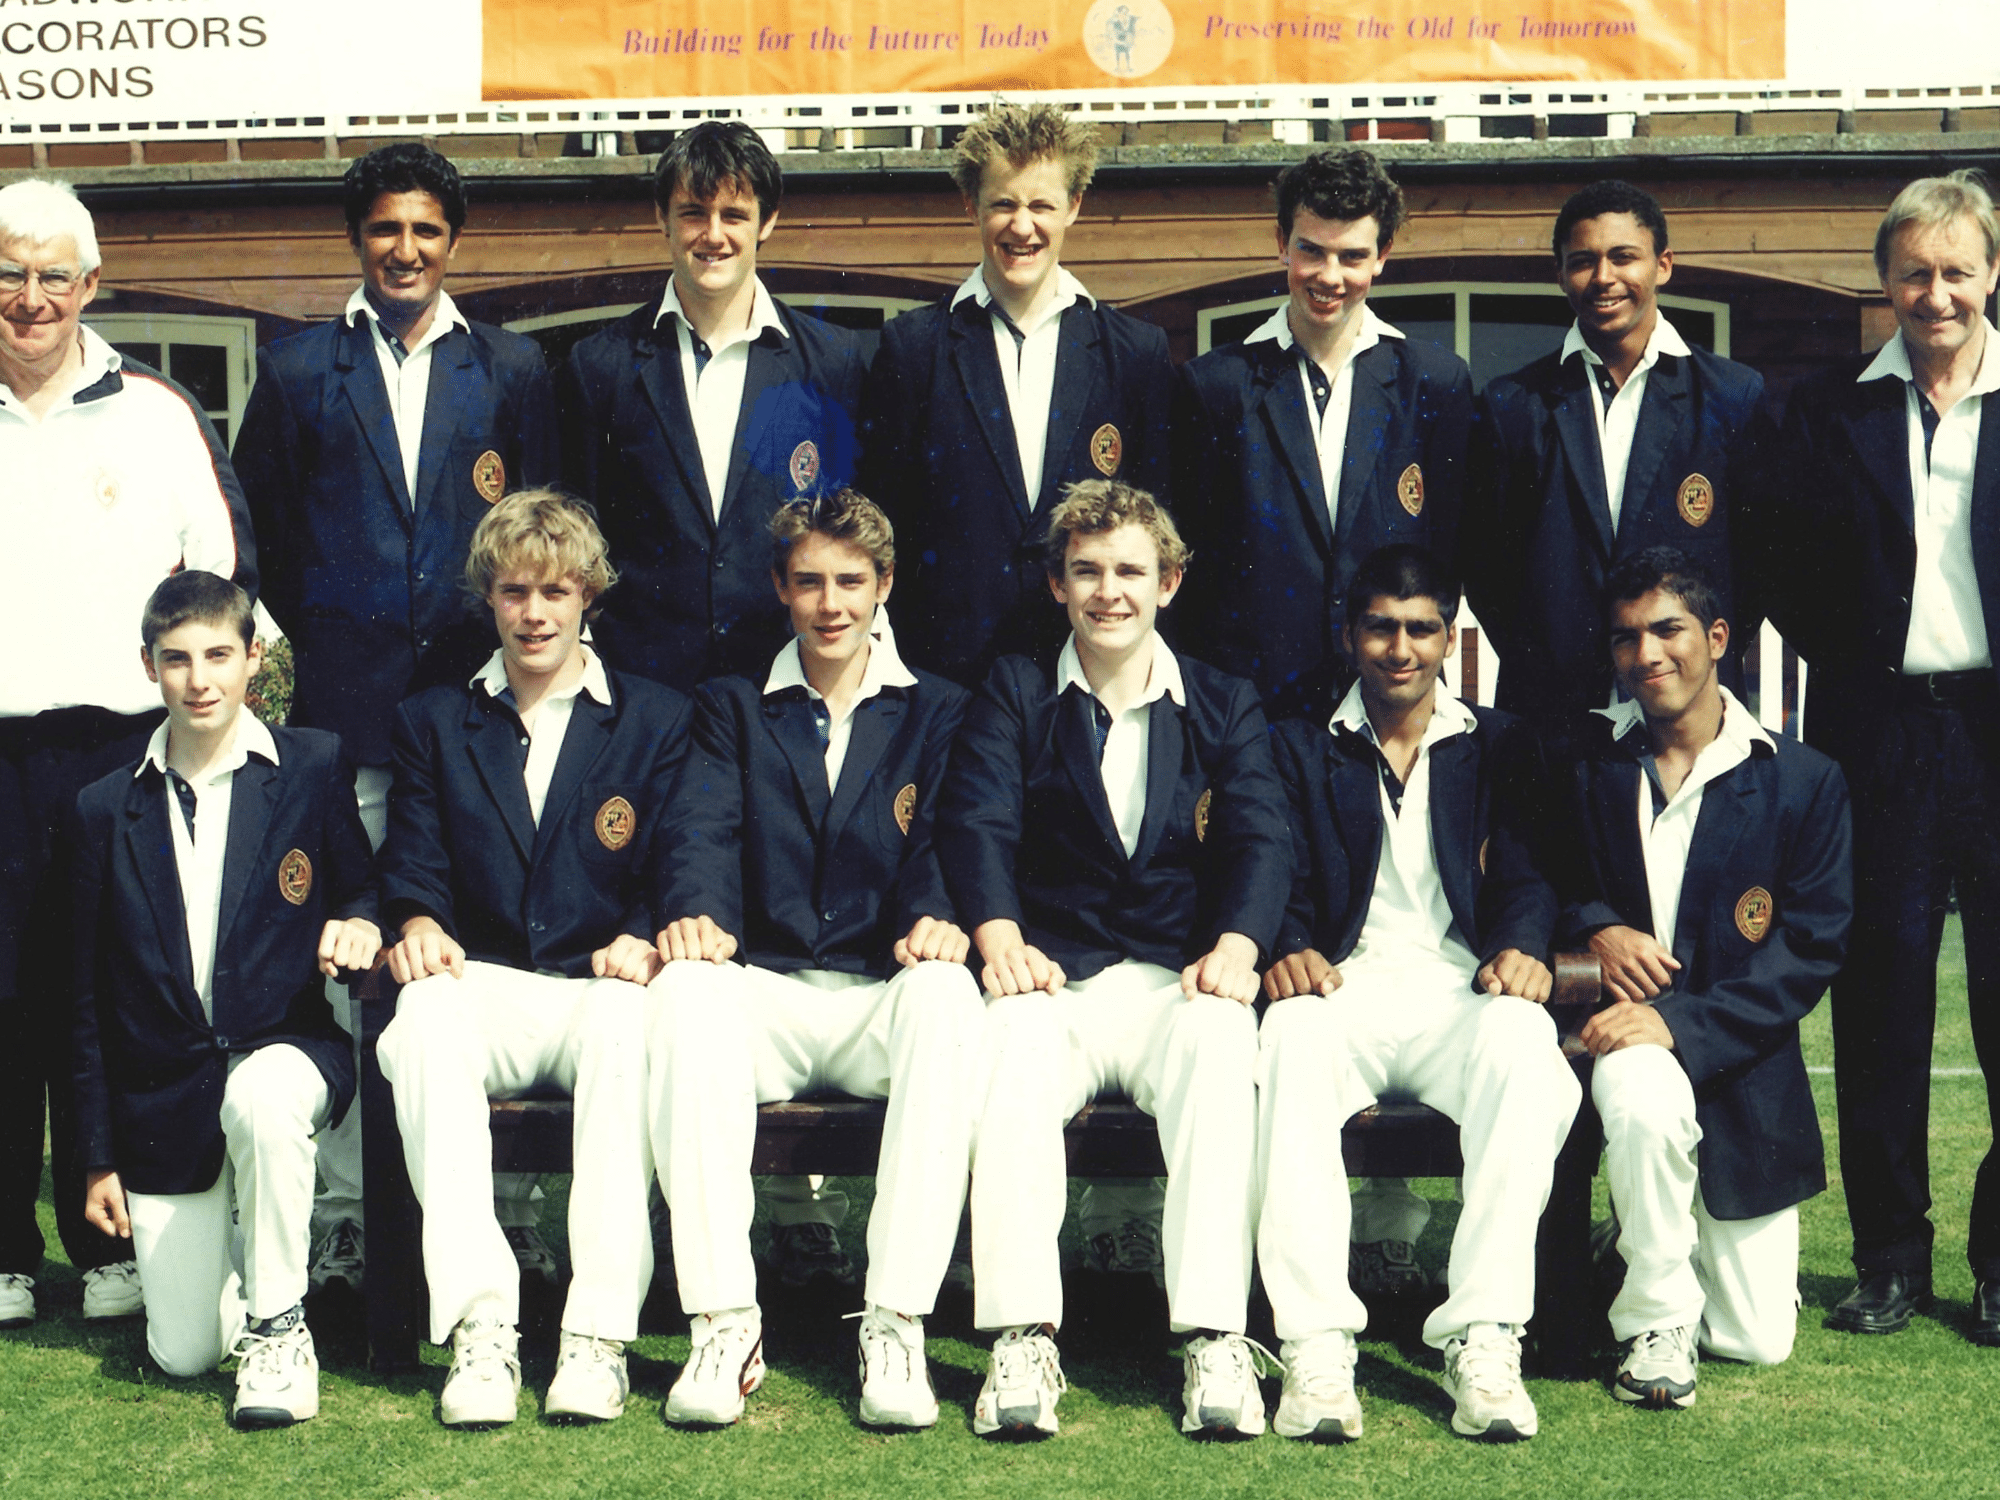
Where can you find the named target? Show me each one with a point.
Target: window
(214, 359)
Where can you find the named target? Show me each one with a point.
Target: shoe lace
(1135, 1245)
(882, 1342)
(1662, 1346)
(343, 1243)
(261, 1356)
(1322, 1366)
(591, 1350)
(726, 1339)
(1237, 1357)
(16, 1281)
(1027, 1358)
(1491, 1361)
(124, 1271)
(479, 1344)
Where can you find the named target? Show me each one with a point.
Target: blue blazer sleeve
(920, 884)
(416, 869)
(1251, 829)
(701, 872)
(979, 830)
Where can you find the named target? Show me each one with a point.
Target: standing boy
(802, 839)
(524, 834)
(219, 878)
(1114, 834)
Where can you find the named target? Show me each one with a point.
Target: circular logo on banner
(1696, 499)
(1106, 449)
(489, 476)
(1753, 913)
(905, 807)
(616, 823)
(1201, 806)
(1410, 489)
(295, 877)
(804, 465)
(1128, 38)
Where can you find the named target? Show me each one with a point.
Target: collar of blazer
(494, 739)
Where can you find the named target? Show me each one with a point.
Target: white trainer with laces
(17, 1299)
(1318, 1402)
(1658, 1370)
(113, 1291)
(341, 1256)
(1221, 1398)
(725, 1365)
(277, 1377)
(590, 1383)
(484, 1386)
(1482, 1372)
(1023, 1384)
(896, 1388)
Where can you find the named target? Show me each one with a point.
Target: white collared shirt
(1130, 741)
(544, 740)
(715, 393)
(408, 383)
(1028, 366)
(1666, 838)
(1329, 428)
(1408, 915)
(1947, 626)
(1619, 424)
(885, 669)
(198, 857)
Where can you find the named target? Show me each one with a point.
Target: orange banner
(644, 49)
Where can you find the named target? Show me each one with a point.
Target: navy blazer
(1266, 596)
(1849, 545)
(802, 877)
(149, 1067)
(1538, 541)
(694, 598)
(1482, 789)
(941, 458)
(367, 586)
(1025, 830)
(1764, 912)
(464, 848)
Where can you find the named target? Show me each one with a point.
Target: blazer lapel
(1454, 796)
(874, 724)
(978, 366)
(493, 741)
(1879, 427)
(1662, 410)
(1576, 429)
(1165, 747)
(773, 362)
(1986, 514)
(149, 844)
(253, 795)
(1283, 400)
(1076, 748)
(1614, 798)
(589, 731)
(362, 380)
(1371, 413)
(789, 717)
(1353, 792)
(1728, 805)
(660, 377)
(453, 379)
(1079, 366)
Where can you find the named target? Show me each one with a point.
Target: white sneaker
(17, 1299)
(1482, 1371)
(484, 1386)
(1023, 1383)
(113, 1291)
(1658, 1370)
(277, 1376)
(896, 1386)
(532, 1253)
(1318, 1401)
(590, 1383)
(1221, 1398)
(725, 1365)
(341, 1256)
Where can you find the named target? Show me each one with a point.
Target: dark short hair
(204, 598)
(716, 154)
(405, 167)
(1401, 571)
(1343, 186)
(1610, 196)
(1670, 571)
(845, 516)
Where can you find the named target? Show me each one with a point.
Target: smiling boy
(223, 875)
(1113, 834)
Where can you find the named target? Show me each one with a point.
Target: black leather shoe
(1884, 1302)
(1985, 1314)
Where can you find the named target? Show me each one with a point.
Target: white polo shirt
(198, 856)
(885, 669)
(1028, 364)
(1408, 915)
(715, 389)
(1130, 739)
(408, 383)
(1618, 421)
(543, 742)
(1329, 427)
(1947, 626)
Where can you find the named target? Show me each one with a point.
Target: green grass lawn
(83, 1413)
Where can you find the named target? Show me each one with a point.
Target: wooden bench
(843, 1137)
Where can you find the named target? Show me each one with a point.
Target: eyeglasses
(55, 282)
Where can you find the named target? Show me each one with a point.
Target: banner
(637, 49)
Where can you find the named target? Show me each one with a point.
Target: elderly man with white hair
(111, 478)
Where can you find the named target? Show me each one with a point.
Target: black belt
(1977, 688)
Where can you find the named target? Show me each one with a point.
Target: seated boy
(1713, 879)
(1114, 834)
(801, 832)
(523, 834)
(1415, 963)
(217, 880)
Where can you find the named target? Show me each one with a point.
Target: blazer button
(538, 927)
(718, 565)
(221, 1042)
(829, 916)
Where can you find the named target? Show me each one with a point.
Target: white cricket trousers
(1491, 1063)
(500, 1033)
(206, 1267)
(1734, 1280)
(727, 1038)
(1191, 1064)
